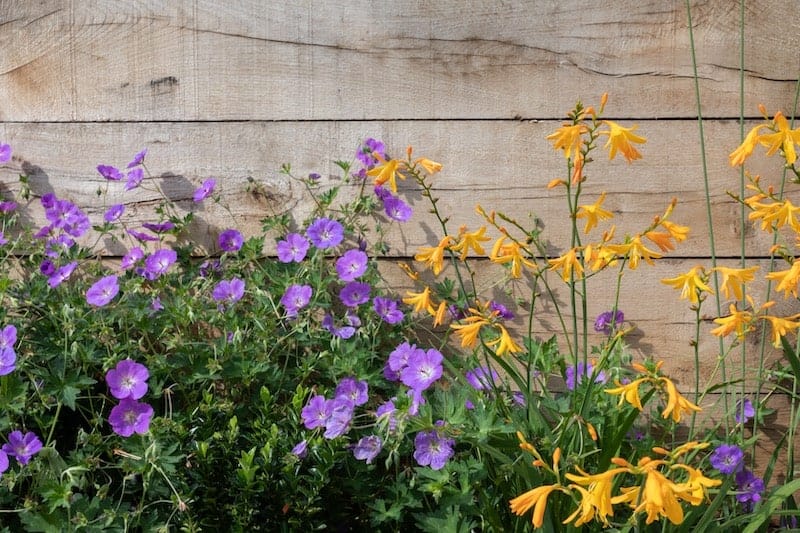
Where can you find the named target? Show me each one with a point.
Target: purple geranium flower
(750, 488)
(341, 415)
(481, 378)
(228, 291)
(398, 358)
(744, 411)
(575, 375)
(316, 412)
(367, 152)
(352, 390)
(8, 337)
(129, 417)
(293, 248)
(325, 233)
(295, 298)
(47, 267)
(351, 265)
(727, 458)
(141, 236)
(300, 449)
(138, 159)
(5, 153)
(387, 309)
(367, 448)
(130, 259)
(159, 262)
(128, 380)
(386, 411)
(8, 360)
(343, 332)
(3, 461)
(22, 447)
(205, 190)
(501, 310)
(102, 291)
(134, 178)
(62, 274)
(114, 213)
(7, 206)
(158, 227)
(397, 209)
(354, 294)
(431, 449)
(608, 321)
(109, 172)
(230, 240)
(422, 370)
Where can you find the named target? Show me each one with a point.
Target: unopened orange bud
(555, 183)
(538, 462)
(603, 101)
(409, 149)
(556, 458)
(763, 110)
(660, 450)
(592, 431)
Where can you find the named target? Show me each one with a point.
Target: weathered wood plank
(314, 59)
(504, 165)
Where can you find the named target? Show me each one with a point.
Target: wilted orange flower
(620, 139)
(431, 167)
(592, 213)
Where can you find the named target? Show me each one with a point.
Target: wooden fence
(235, 89)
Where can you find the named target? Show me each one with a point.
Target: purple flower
(6, 206)
(295, 298)
(8, 360)
(109, 172)
(205, 190)
(744, 411)
(351, 265)
(61, 275)
(8, 337)
(228, 291)
(608, 321)
(129, 417)
(48, 200)
(354, 294)
(368, 448)
(481, 378)
(300, 449)
(142, 237)
(47, 267)
(66, 216)
(341, 415)
(3, 461)
(387, 309)
(727, 458)
(750, 488)
(130, 259)
(138, 159)
(134, 178)
(208, 268)
(501, 310)
(325, 233)
(293, 248)
(230, 240)
(159, 262)
(389, 374)
(417, 399)
(398, 358)
(103, 291)
(62, 243)
(574, 376)
(431, 449)
(367, 152)
(22, 447)
(156, 305)
(386, 411)
(128, 380)
(354, 391)
(343, 332)
(423, 369)
(5, 153)
(160, 227)
(114, 213)
(316, 412)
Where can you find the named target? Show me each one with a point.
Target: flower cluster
(127, 382)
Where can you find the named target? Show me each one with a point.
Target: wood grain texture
(151, 60)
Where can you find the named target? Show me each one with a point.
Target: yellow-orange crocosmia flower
(536, 499)
(431, 167)
(738, 321)
(569, 264)
(421, 301)
(661, 239)
(733, 280)
(469, 329)
(505, 344)
(738, 156)
(596, 496)
(635, 251)
(781, 327)
(629, 392)
(433, 256)
(568, 138)
(386, 171)
(787, 279)
(678, 232)
(775, 215)
(784, 138)
(696, 487)
(692, 284)
(660, 495)
(470, 241)
(594, 212)
(439, 314)
(510, 252)
(677, 404)
(620, 139)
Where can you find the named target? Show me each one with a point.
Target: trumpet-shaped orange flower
(470, 328)
(470, 240)
(431, 167)
(433, 256)
(421, 301)
(660, 497)
(775, 215)
(738, 321)
(536, 499)
(784, 138)
(569, 264)
(386, 171)
(678, 232)
(505, 344)
(781, 327)
(635, 251)
(733, 280)
(620, 139)
(594, 212)
(787, 279)
(568, 138)
(745, 150)
(677, 404)
(629, 392)
(695, 489)
(692, 284)
(510, 252)
(596, 496)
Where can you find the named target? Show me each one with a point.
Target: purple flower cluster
(575, 374)
(19, 446)
(729, 459)
(8, 356)
(393, 206)
(128, 383)
(370, 152)
(66, 221)
(336, 414)
(134, 174)
(608, 321)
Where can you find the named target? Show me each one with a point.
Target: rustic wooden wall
(235, 89)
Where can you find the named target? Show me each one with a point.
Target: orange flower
(634, 250)
(692, 284)
(677, 404)
(386, 171)
(434, 256)
(734, 278)
(431, 167)
(783, 138)
(592, 213)
(511, 252)
(469, 331)
(469, 240)
(738, 321)
(620, 139)
(420, 300)
(738, 156)
(569, 265)
(787, 279)
(568, 138)
(781, 327)
(505, 344)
